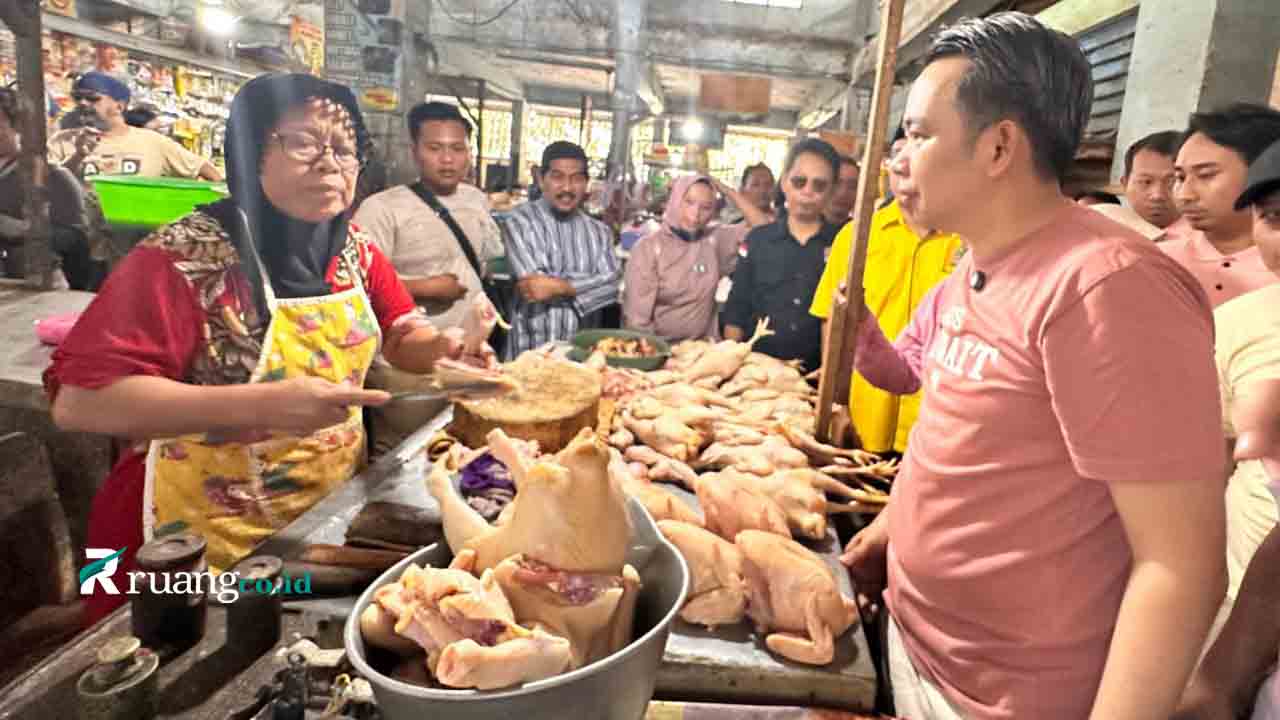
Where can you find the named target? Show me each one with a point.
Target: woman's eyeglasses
(820, 185)
(306, 149)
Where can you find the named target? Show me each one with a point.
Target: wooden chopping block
(556, 400)
(351, 557)
(394, 526)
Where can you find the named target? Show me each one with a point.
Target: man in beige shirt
(110, 146)
(418, 242)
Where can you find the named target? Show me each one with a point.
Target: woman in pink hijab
(672, 274)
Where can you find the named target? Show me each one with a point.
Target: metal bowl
(618, 687)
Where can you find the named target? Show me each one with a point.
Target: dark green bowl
(585, 340)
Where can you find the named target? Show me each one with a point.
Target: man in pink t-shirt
(1055, 538)
(1209, 174)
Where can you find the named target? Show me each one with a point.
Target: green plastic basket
(150, 202)
(585, 340)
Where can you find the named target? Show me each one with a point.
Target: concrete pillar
(517, 143)
(628, 22)
(1195, 56)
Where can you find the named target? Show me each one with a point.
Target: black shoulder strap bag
(494, 291)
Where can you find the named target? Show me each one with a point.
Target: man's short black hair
(1021, 70)
(814, 146)
(435, 111)
(1247, 128)
(746, 174)
(1101, 196)
(563, 150)
(1165, 143)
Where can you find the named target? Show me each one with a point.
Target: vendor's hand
(866, 556)
(304, 405)
(539, 288)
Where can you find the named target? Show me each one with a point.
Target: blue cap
(103, 84)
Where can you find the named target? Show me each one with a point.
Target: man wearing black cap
(1248, 352)
(568, 272)
(109, 145)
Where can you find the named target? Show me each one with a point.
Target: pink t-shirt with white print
(1085, 360)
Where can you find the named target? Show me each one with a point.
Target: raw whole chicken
(477, 326)
(801, 494)
(465, 625)
(595, 611)
(683, 394)
(569, 513)
(820, 453)
(764, 458)
(717, 590)
(661, 468)
(722, 360)
(731, 507)
(665, 434)
(660, 503)
(794, 596)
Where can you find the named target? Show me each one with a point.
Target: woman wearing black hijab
(234, 343)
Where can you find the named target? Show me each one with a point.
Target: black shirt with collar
(777, 279)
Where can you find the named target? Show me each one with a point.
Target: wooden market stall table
(728, 666)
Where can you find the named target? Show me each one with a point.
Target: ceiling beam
(830, 98)
(467, 62)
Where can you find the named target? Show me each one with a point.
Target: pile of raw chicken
(735, 428)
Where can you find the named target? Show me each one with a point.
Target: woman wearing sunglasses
(232, 345)
(784, 261)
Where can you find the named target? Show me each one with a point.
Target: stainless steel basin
(618, 687)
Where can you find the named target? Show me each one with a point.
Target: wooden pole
(23, 19)
(846, 317)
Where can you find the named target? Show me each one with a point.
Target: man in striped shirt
(568, 272)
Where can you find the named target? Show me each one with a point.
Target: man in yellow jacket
(902, 265)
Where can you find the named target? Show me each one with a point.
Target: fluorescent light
(217, 21)
(692, 128)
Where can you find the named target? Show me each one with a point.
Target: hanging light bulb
(217, 21)
(692, 129)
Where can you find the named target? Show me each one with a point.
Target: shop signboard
(61, 7)
(363, 49)
(306, 44)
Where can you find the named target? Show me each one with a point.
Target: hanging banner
(61, 7)
(306, 45)
(362, 40)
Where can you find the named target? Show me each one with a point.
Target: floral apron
(238, 490)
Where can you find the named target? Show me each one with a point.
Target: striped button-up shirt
(577, 249)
